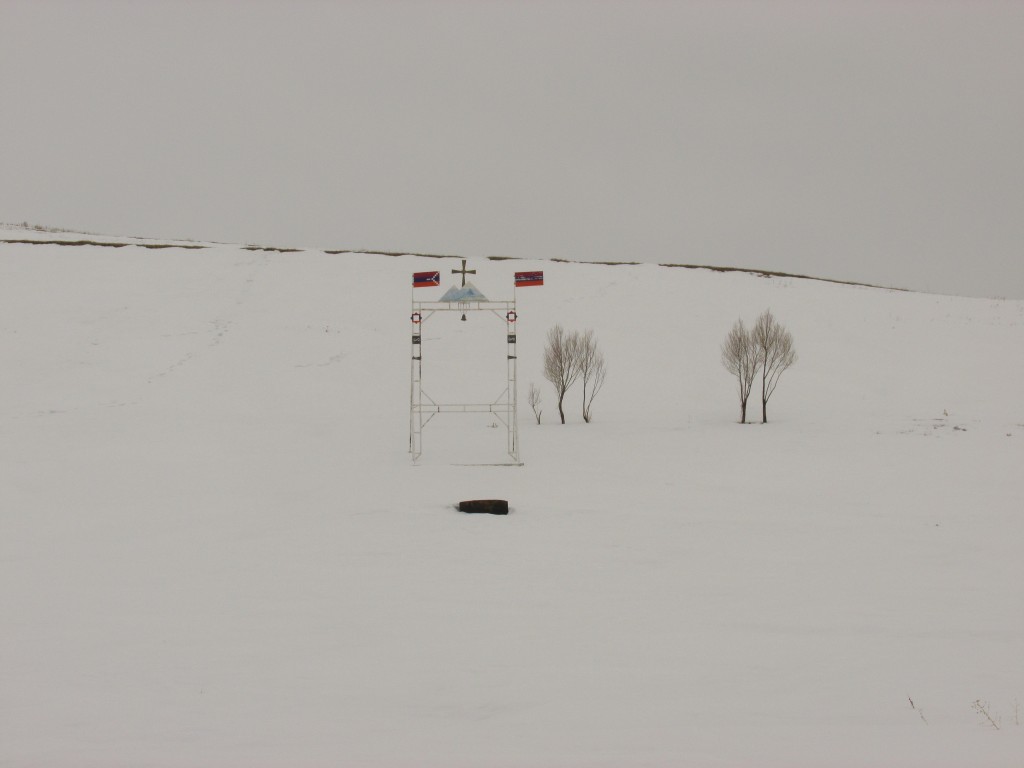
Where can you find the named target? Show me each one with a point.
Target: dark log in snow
(487, 506)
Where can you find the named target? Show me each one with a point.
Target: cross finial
(463, 272)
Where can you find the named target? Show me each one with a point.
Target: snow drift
(215, 551)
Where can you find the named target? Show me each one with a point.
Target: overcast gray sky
(871, 141)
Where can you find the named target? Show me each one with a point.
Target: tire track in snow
(221, 325)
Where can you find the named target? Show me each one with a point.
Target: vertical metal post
(512, 392)
(416, 387)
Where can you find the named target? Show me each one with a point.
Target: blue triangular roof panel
(468, 292)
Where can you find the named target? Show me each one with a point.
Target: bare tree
(740, 358)
(533, 398)
(561, 363)
(592, 370)
(775, 353)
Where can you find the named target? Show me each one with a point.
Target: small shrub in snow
(561, 363)
(593, 370)
(571, 356)
(533, 398)
(775, 353)
(739, 356)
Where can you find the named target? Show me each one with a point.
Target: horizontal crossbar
(461, 306)
(462, 408)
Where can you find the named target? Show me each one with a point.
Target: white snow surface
(216, 551)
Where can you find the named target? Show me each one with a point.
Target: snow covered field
(215, 550)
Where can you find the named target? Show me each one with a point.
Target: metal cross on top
(463, 272)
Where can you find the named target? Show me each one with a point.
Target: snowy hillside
(215, 550)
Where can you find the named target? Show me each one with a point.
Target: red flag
(425, 279)
(524, 279)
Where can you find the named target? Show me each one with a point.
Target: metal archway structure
(423, 408)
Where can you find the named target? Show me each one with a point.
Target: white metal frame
(422, 408)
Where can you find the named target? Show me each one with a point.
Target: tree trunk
(560, 411)
(764, 394)
(743, 411)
